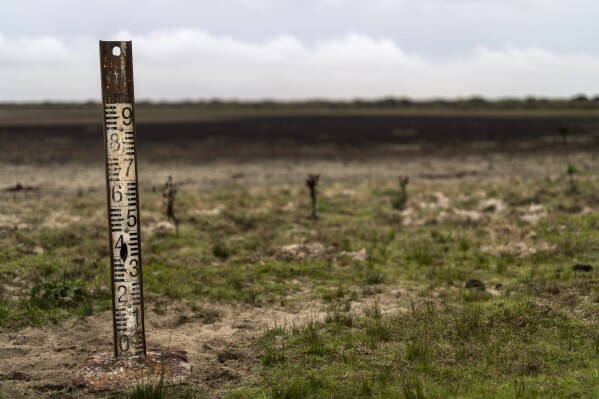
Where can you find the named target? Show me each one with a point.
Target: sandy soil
(37, 361)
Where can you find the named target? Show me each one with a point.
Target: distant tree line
(471, 103)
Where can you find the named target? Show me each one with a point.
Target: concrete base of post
(103, 372)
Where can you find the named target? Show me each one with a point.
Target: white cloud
(194, 64)
(259, 4)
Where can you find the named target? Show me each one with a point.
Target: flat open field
(465, 288)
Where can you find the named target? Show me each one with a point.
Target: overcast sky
(298, 49)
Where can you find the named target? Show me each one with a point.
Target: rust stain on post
(122, 199)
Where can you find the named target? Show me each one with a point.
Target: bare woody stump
(104, 372)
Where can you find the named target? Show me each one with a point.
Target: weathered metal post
(122, 199)
(130, 361)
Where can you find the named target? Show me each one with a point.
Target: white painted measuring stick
(124, 219)
(123, 201)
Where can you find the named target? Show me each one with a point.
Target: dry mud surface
(264, 150)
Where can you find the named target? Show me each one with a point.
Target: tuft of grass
(412, 389)
(572, 170)
(332, 295)
(339, 317)
(160, 308)
(417, 349)
(378, 331)
(273, 353)
(374, 277)
(273, 348)
(221, 250)
(373, 311)
(422, 253)
(63, 293)
(468, 322)
(298, 388)
(524, 390)
(49, 300)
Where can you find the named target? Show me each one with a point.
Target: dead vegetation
(312, 184)
(169, 193)
(399, 200)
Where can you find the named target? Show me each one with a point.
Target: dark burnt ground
(305, 137)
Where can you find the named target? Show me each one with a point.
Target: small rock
(243, 325)
(360, 255)
(491, 205)
(587, 211)
(409, 217)
(553, 290)
(466, 216)
(301, 251)
(442, 201)
(209, 212)
(19, 187)
(164, 228)
(331, 249)
(348, 194)
(290, 206)
(228, 354)
(475, 284)
(533, 214)
(531, 235)
(582, 268)
(66, 300)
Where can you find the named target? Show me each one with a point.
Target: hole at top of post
(116, 51)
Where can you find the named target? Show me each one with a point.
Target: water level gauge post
(122, 196)
(130, 363)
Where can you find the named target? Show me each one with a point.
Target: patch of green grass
(413, 389)
(374, 277)
(503, 349)
(468, 322)
(340, 316)
(531, 333)
(48, 301)
(422, 253)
